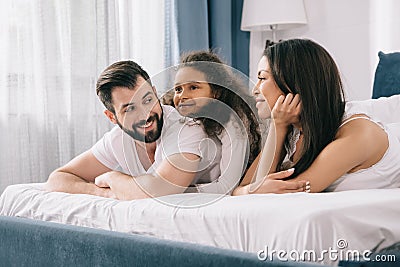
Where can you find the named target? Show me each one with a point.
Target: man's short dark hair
(119, 74)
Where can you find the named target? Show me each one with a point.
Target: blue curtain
(171, 42)
(214, 24)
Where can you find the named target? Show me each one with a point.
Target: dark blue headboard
(387, 75)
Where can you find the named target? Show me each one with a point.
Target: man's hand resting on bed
(105, 192)
(126, 187)
(119, 184)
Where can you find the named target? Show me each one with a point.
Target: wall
(353, 31)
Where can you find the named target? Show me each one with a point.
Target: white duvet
(360, 219)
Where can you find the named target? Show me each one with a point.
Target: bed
(52, 228)
(362, 219)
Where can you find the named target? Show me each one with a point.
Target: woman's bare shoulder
(363, 131)
(359, 125)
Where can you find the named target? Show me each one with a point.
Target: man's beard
(150, 136)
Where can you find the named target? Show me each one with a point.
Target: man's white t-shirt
(117, 150)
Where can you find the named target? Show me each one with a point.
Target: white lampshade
(259, 15)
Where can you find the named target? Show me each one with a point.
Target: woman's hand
(273, 183)
(286, 110)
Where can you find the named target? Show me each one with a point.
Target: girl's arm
(172, 176)
(358, 145)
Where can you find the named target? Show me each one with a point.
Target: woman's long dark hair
(229, 90)
(303, 67)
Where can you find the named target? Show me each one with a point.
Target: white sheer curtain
(51, 53)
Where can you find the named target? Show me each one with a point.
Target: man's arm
(78, 175)
(172, 176)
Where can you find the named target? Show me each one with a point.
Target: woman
(313, 136)
(207, 91)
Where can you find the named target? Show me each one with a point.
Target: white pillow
(384, 109)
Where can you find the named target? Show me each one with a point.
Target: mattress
(358, 220)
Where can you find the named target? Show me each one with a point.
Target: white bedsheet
(365, 219)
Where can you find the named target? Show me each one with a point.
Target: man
(152, 152)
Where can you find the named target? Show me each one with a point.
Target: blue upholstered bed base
(27, 242)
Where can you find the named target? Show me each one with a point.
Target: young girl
(207, 91)
(311, 133)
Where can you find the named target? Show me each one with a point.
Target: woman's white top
(383, 174)
(386, 172)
